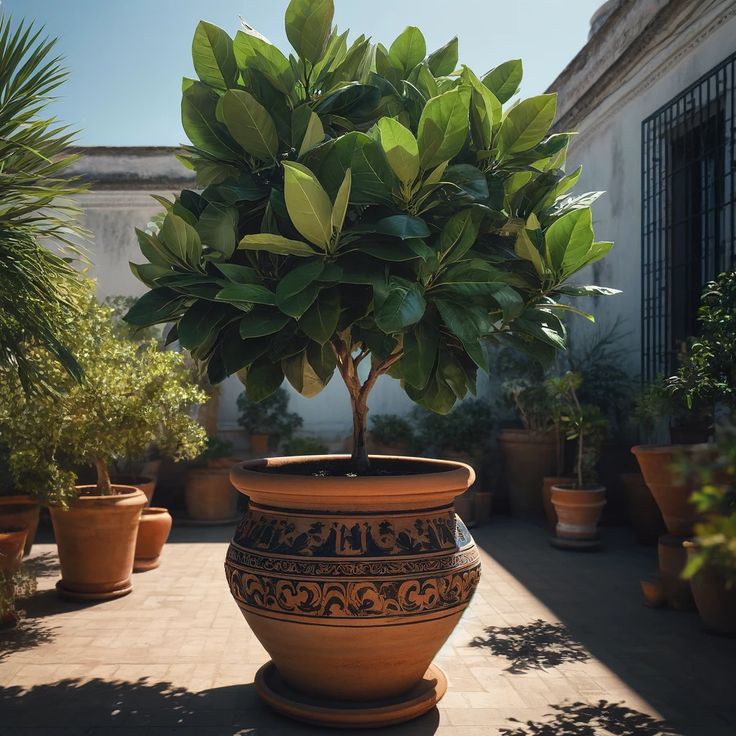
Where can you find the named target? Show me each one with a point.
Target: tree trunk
(104, 486)
(360, 448)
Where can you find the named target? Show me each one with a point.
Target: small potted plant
(210, 496)
(579, 505)
(366, 212)
(15, 584)
(704, 384)
(131, 396)
(391, 434)
(267, 422)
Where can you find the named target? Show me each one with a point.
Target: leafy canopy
(362, 202)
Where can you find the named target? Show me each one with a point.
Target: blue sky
(127, 57)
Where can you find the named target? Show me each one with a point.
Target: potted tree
(267, 422)
(209, 494)
(35, 283)
(704, 384)
(129, 395)
(373, 212)
(578, 506)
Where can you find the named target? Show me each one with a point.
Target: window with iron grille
(688, 206)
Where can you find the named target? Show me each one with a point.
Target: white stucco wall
(609, 148)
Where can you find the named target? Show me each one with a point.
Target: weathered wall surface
(651, 52)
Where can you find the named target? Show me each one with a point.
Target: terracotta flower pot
(209, 494)
(352, 584)
(578, 511)
(528, 457)
(672, 560)
(549, 508)
(22, 511)
(715, 602)
(644, 514)
(259, 444)
(12, 542)
(96, 542)
(670, 493)
(144, 483)
(153, 531)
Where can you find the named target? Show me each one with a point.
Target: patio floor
(555, 644)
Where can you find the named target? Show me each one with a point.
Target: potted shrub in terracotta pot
(268, 422)
(579, 505)
(16, 509)
(130, 394)
(391, 434)
(360, 216)
(209, 494)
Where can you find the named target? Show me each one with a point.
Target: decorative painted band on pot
(306, 564)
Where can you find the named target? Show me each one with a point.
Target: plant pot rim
(9, 531)
(667, 449)
(130, 495)
(155, 511)
(587, 489)
(18, 498)
(509, 432)
(124, 479)
(443, 480)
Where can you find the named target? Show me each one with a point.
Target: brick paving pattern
(554, 644)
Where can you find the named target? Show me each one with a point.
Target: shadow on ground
(535, 646)
(664, 656)
(588, 719)
(100, 707)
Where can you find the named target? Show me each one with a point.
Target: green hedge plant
(363, 209)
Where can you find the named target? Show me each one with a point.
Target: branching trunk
(360, 447)
(104, 486)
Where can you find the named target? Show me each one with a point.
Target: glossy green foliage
(357, 200)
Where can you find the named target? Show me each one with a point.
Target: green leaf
(397, 226)
(301, 375)
(217, 228)
(443, 61)
(297, 279)
(485, 110)
(568, 240)
(587, 290)
(504, 80)
(276, 244)
(469, 182)
(250, 124)
(401, 149)
(308, 24)
(524, 248)
(149, 272)
(213, 57)
(443, 127)
(262, 379)
(526, 124)
(181, 239)
(199, 120)
(307, 129)
(469, 324)
(459, 234)
(420, 354)
(401, 305)
(237, 353)
(253, 52)
(261, 322)
(319, 322)
(322, 359)
(153, 250)
(248, 293)
(238, 274)
(340, 207)
(200, 324)
(157, 306)
(409, 48)
(309, 206)
(296, 304)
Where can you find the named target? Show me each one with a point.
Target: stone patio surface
(554, 644)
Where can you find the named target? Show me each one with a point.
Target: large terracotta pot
(153, 531)
(549, 508)
(209, 494)
(528, 458)
(715, 602)
(259, 444)
(22, 511)
(12, 541)
(578, 511)
(352, 584)
(96, 542)
(672, 560)
(671, 493)
(144, 483)
(644, 514)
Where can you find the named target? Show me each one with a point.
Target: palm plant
(35, 283)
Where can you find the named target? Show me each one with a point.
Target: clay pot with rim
(578, 511)
(716, 603)
(23, 511)
(209, 494)
(528, 457)
(144, 483)
(96, 538)
(549, 508)
(153, 531)
(12, 542)
(671, 494)
(352, 584)
(672, 560)
(644, 514)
